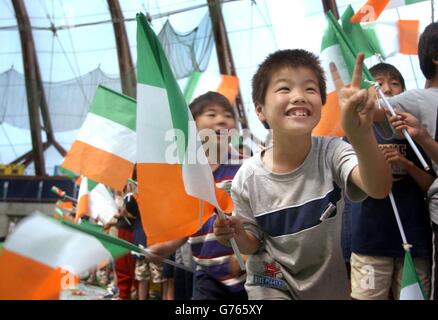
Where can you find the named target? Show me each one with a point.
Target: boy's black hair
(198, 105)
(388, 69)
(428, 50)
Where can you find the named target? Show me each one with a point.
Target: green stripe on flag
(191, 85)
(408, 2)
(117, 247)
(154, 70)
(348, 51)
(91, 184)
(114, 106)
(362, 41)
(68, 173)
(328, 39)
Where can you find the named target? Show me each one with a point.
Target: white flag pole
(404, 131)
(233, 243)
(406, 245)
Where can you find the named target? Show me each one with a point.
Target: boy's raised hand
(357, 105)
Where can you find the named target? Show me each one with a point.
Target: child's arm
(404, 120)
(165, 249)
(357, 105)
(232, 227)
(422, 178)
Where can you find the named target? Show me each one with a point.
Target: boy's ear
(260, 113)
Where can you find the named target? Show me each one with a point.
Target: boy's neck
(287, 153)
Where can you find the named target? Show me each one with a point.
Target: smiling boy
(289, 199)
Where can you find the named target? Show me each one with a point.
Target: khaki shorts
(372, 277)
(147, 270)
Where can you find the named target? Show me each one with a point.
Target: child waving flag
(174, 178)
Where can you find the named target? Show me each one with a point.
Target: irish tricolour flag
(200, 83)
(411, 285)
(173, 186)
(95, 201)
(336, 47)
(105, 148)
(34, 254)
(372, 9)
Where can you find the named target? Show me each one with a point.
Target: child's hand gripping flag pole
(119, 247)
(169, 151)
(350, 54)
(411, 287)
(34, 253)
(389, 108)
(410, 283)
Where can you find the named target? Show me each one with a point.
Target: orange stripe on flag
(229, 87)
(330, 123)
(408, 36)
(68, 205)
(82, 208)
(370, 11)
(22, 278)
(167, 212)
(98, 165)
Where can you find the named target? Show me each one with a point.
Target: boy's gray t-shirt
(300, 257)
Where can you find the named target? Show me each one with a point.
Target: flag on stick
(37, 250)
(116, 246)
(95, 201)
(105, 148)
(174, 178)
(411, 288)
(200, 83)
(373, 8)
(336, 47)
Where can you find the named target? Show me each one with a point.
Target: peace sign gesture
(357, 105)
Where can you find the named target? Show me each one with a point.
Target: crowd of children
(289, 199)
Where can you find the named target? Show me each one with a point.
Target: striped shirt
(297, 218)
(210, 256)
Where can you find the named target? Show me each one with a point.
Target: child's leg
(156, 270)
(124, 280)
(125, 268)
(168, 283)
(142, 275)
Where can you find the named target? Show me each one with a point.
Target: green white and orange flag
(105, 149)
(411, 288)
(200, 83)
(96, 201)
(36, 251)
(383, 38)
(396, 37)
(336, 47)
(175, 181)
(372, 9)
